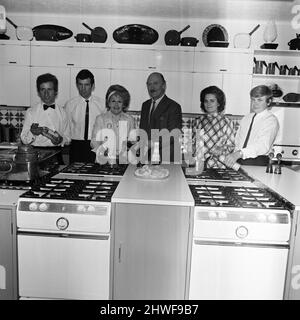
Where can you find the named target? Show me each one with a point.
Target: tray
(138, 173)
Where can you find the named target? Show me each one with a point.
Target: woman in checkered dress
(213, 132)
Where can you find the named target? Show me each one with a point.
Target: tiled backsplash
(14, 117)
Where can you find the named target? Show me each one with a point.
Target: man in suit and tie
(160, 112)
(257, 131)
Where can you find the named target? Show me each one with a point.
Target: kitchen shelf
(277, 76)
(285, 104)
(275, 52)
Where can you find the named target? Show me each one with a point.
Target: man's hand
(54, 137)
(231, 158)
(36, 130)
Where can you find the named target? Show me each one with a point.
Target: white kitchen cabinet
(8, 273)
(222, 60)
(14, 85)
(148, 264)
(135, 59)
(63, 76)
(14, 74)
(237, 90)
(54, 56)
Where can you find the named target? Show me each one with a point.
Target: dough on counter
(152, 172)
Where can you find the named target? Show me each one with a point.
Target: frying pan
(98, 34)
(51, 32)
(172, 37)
(22, 33)
(243, 40)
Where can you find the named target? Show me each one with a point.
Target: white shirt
(263, 133)
(75, 109)
(55, 119)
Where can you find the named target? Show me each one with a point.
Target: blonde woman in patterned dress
(213, 132)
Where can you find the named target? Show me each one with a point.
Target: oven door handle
(63, 235)
(242, 244)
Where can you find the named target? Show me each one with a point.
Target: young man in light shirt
(82, 111)
(257, 131)
(46, 124)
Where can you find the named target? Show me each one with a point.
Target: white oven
(63, 249)
(239, 253)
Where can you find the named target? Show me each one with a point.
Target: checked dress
(213, 135)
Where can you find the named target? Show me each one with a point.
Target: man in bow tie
(46, 124)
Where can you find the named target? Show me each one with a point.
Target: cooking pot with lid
(189, 41)
(24, 165)
(295, 43)
(83, 37)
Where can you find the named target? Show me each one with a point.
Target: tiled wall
(14, 116)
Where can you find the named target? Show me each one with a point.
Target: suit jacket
(167, 115)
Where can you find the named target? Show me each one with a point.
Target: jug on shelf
(271, 67)
(294, 71)
(283, 69)
(259, 65)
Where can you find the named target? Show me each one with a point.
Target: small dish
(269, 46)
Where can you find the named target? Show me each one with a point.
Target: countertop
(9, 197)
(287, 184)
(173, 190)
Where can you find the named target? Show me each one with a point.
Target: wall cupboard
(187, 71)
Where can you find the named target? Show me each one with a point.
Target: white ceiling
(187, 9)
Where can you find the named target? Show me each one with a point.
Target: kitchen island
(151, 236)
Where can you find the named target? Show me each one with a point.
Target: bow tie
(51, 106)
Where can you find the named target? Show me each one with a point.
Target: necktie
(86, 128)
(151, 111)
(248, 133)
(51, 106)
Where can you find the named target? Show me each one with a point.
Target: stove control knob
(62, 223)
(272, 218)
(295, 152)
(91, 208)
(212, 215)
(81, 208)
(33, 206)
(222, 215)
(43, 206)
(241, 232)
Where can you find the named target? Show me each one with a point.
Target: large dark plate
(135, 34)
(214, 32)
(51, 32)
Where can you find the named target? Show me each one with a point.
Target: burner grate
(225, 196)
(95, 169)
(73, 190)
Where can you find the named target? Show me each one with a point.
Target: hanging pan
(172, 37)
(98, 34)
(51, 32)
(22, 33)
(243, 40)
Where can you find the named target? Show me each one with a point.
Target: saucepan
(83, 37)
(243, 40)
(98, 34)
(172, 37)
(22, 33)
(189, 41)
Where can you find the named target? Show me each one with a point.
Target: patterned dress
(213, 135)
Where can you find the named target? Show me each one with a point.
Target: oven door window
(55, 267)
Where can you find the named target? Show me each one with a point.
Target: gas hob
(84, 190)
(220, 177)
(238, 197)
